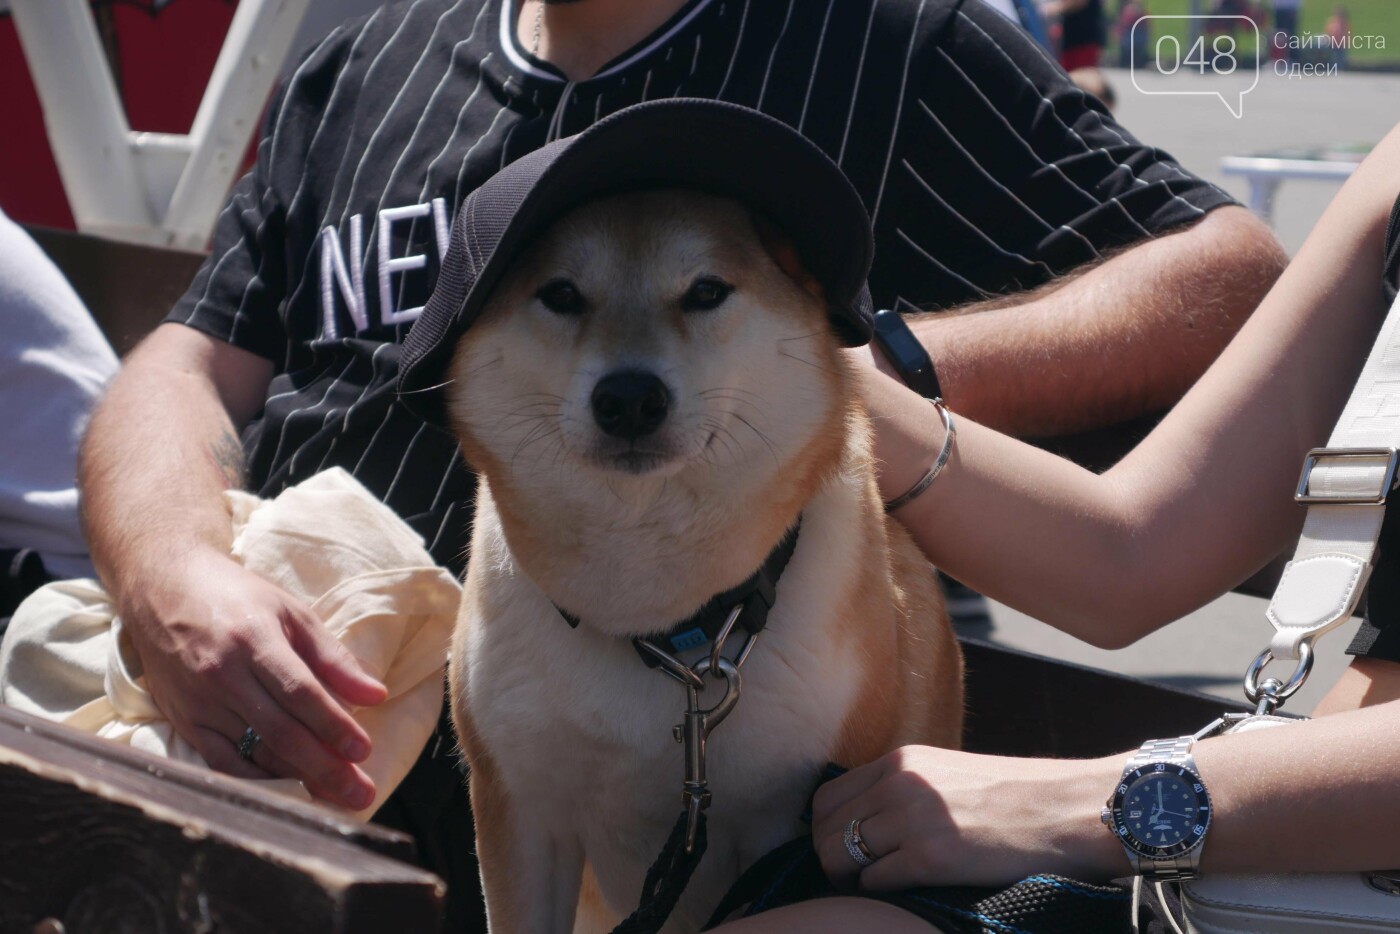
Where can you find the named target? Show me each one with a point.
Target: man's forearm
(159, 453)
(1122, 339)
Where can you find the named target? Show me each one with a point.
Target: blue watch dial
(1161, 810)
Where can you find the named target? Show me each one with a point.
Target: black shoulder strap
(1392, 254)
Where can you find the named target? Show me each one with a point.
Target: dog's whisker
(741, 401)
(803, 337)
(500, 358)
(537, 433)
(761, 436)
(815, 366)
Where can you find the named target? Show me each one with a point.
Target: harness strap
(756, 595)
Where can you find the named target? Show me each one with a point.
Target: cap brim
(712, 146)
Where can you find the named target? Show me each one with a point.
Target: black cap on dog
(711, 146)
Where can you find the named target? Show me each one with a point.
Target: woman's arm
(1203, 501)
(1311, 796)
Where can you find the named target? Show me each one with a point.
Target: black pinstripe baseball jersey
(983, 168)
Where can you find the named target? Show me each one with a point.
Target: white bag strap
(1345, 486)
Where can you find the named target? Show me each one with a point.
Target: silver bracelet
(939, 462)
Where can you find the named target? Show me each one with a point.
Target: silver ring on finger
(855, 845)
(248, 743)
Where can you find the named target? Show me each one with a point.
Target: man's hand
(940, 817)
(223, 649)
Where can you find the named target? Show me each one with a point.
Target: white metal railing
(158, 188)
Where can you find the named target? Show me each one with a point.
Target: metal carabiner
(695, 733)
(1272, 693)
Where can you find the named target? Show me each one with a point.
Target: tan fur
(858, 649)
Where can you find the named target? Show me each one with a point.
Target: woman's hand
(938, 817)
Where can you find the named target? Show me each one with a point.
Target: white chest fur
(580, 731)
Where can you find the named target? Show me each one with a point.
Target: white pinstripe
(978, 232)
(345, 419)
(977, 166)
(898, 114)
(855, 85)
(282, 434)
(767, 72)
(944, 269)
(337, 91)
(439, 222)
(816, 60)
(442, 526)
(1049, 105)
(407, 450)
(738, 44)
(1093, 201)
(272, 155)
(369, 146)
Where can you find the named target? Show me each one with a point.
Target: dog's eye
(561, 297)
(706, 294)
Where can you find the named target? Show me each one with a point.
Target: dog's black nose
(630, 404)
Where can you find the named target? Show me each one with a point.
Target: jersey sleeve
(1070, 182)
(238, 293)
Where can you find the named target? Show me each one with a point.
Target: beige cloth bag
(329, 543)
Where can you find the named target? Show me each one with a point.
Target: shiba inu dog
(656, 400)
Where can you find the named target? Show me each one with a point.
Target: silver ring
(248, 743)
(855, 845)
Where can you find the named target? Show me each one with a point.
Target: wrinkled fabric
(330, 545)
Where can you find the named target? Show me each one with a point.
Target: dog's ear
(778, 245)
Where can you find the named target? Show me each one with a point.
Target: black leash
(666, 880)
(746, 607)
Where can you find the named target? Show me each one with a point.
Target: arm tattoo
(227, 455)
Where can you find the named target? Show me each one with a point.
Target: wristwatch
(1160, 810)
(908, 357)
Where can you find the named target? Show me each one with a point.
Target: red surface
(165, 63)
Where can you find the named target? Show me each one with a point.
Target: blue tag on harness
(690, 639)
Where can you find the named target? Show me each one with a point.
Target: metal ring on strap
(1284, 689)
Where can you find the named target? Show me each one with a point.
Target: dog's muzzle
(630, 404)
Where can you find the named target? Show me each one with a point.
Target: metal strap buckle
(1347, 499)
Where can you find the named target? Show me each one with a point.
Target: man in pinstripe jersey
(1093, 279)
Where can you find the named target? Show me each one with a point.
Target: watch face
(1160, 810)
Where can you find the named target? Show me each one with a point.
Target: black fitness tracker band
(908, 357)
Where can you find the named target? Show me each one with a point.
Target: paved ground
(1210, 649)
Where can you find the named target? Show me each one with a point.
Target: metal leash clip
(694, 731)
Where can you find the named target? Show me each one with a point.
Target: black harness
(754, 596)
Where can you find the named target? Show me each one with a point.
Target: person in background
(1081, 31)
(1133, 44)
(1338, 29)
(1285, 28)
(54, 363)
(1025, 14)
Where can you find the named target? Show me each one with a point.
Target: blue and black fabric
(1039, 904)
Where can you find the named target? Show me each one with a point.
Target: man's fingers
(305, 757)
(332, 662)
(294, 688)
(222, 754)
